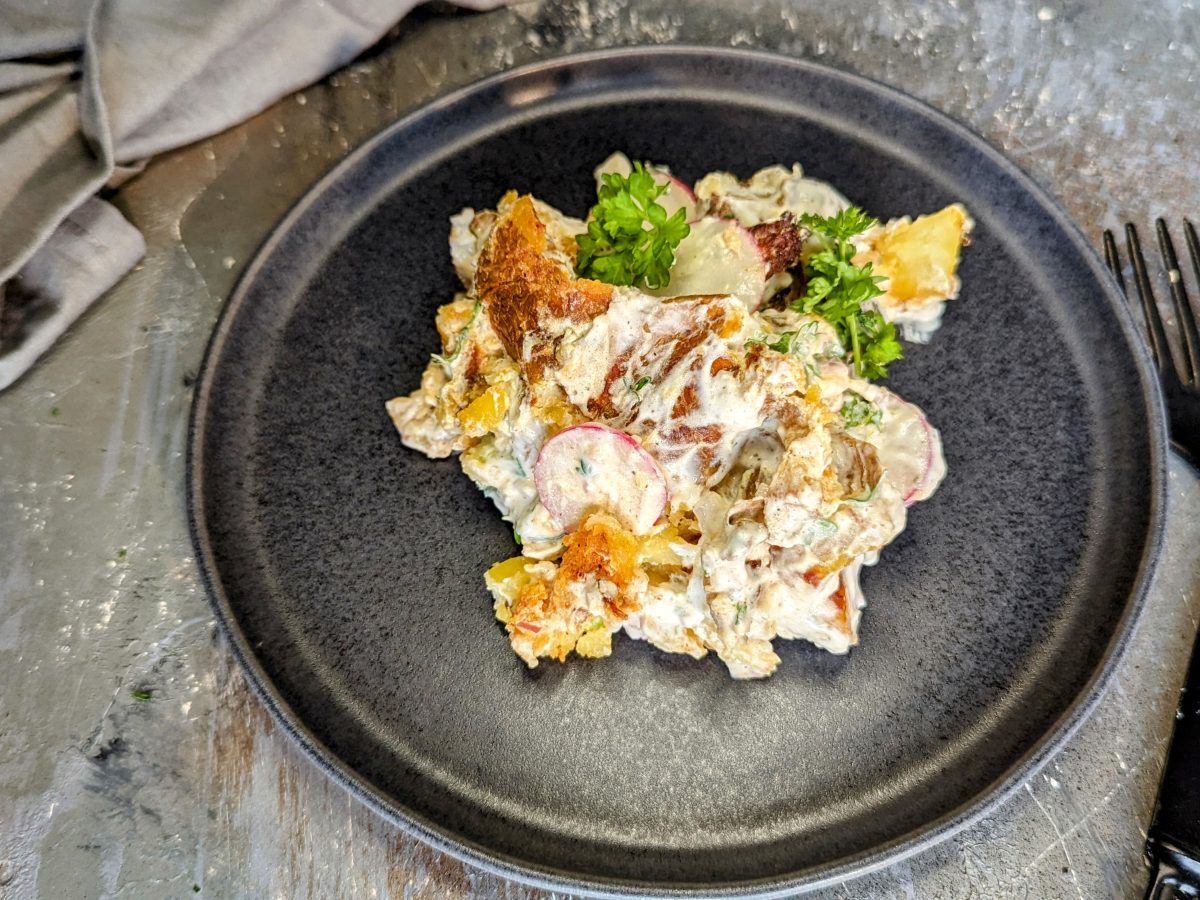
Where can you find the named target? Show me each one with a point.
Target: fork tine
(1158, 336)
(1113, 259)
(1183, 309)
(1189, 232)
(1193, 245)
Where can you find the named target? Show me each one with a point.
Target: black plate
(347, 570)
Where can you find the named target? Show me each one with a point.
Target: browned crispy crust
(708, 315)
(523, 289)
(779, 242)
(603, 405)
(599, 551)
(605, 551)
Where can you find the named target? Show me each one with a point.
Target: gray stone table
(133, 760)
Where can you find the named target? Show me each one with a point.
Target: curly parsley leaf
(879, 344)
(840, 227)
(836, 289)
(630, 239)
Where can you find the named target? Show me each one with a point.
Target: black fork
(1178, 371)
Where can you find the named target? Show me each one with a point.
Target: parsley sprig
(836, 289)
(630, 239)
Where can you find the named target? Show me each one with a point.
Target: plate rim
(882, 855)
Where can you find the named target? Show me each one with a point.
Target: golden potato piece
(596, 641)
(485, 412)
(657, 551)
(920, 257)
(452, 318)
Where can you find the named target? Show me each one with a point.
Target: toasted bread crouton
(593, 590)
(527, 282)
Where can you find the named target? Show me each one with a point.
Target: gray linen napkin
(87, 86)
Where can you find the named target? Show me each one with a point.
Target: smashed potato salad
(673, 404)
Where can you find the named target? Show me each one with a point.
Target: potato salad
(676, 403)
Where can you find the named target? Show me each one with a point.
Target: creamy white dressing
(768, 194)
(917, 325)
(464, 245)
(782, 543)
(798, 529)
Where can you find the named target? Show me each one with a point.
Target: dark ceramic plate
(347, 570)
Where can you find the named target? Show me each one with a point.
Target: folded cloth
(87, 86)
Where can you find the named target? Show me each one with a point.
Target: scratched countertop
(134, 762)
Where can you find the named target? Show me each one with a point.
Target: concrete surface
(134, 762)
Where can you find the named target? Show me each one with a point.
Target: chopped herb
(635, 388)
(858, 410)
(595, 625)
(54, 410)
(141, 695)
(122, 553)
(584, 468)
(788, 341)
(782, 345)
(630, 239)
(195, 888)
(741, 613)
(459, 341)
(836, 289)
(866, 497)
(517, 537)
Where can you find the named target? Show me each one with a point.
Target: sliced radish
(588, 468)
(935, 470)
(910, 449)
(679, 194)
(718, 256)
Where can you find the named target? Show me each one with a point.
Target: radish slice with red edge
(593, 468)
(718, 256)
(935, 468)
(679, 195)
(910, 449)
